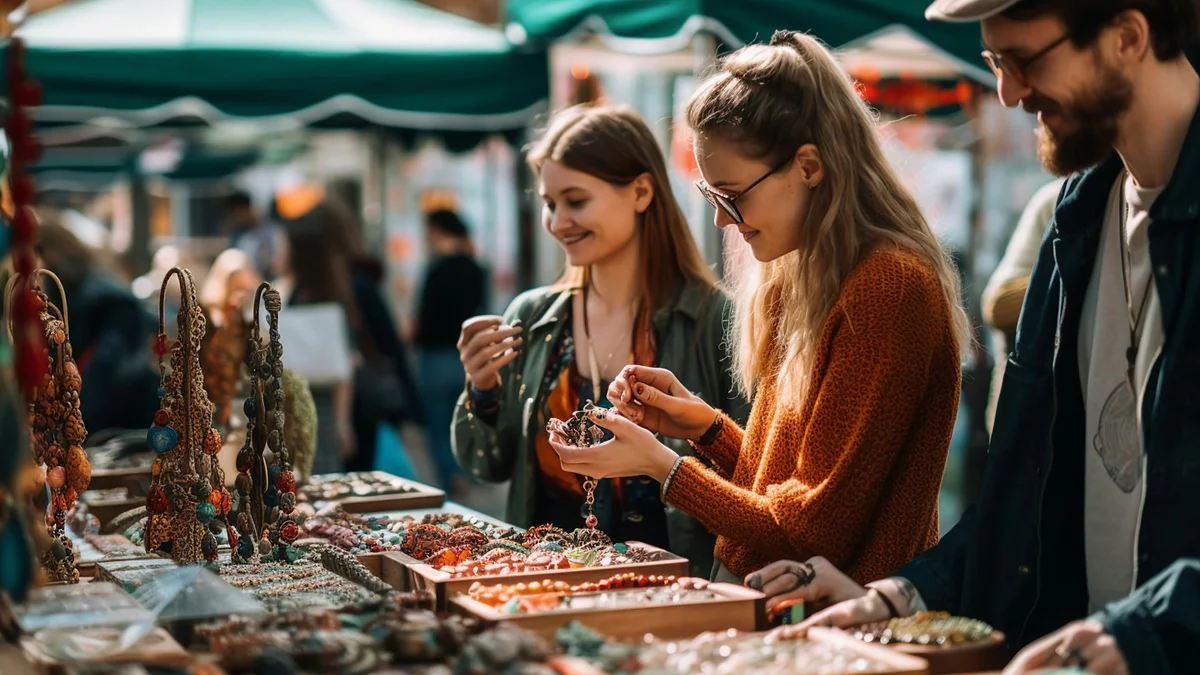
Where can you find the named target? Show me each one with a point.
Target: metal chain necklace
(593, 364)
(1135, 320)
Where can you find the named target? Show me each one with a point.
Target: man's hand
(1081, 643)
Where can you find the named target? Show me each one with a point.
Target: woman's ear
(808, 158)
(643, 192)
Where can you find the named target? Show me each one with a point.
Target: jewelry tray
(896, 663)
(990, 654)
(395, 572)
(735, 607)
(419, 496)
(420, 576)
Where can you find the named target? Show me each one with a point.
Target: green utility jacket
(689, 340)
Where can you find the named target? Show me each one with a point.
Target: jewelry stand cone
(56, 428)
(187, 503)
(266, 483)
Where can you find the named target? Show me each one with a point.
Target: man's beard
(1088, 124)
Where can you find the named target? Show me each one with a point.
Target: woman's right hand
(655, 399)
(485, 346)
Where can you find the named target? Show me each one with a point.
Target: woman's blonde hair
(768, 101)
(615, 145)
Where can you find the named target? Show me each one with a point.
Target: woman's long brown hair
(615, 145)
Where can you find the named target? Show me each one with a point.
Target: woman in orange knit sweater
(847, 333)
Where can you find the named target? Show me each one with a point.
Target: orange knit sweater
(852, 472)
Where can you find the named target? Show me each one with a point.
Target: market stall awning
(640, 26)
(389, 62)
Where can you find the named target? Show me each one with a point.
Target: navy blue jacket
(1017, 558)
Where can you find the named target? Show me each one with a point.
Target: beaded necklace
(266, 487)
(57, 431)
(187, 502)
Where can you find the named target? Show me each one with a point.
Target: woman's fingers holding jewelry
(492, 368)
(475, 325)
(482, 357)
(484, 339)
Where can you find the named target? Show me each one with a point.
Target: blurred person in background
(226, 298)
(1005, 292)
(385, 393)
(249, 231)
(455, 289)
(326, 264)
(636, 291)
(111, 332)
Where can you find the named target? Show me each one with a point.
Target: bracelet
(892, 611)
(483, 395)
(666, 484)
(709, 436)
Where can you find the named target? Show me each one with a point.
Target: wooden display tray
(897, 663)
(408, 574)
(422, 497)
(984, 656)
(397, 574)
(737, 608)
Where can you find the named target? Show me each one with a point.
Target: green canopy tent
(641, 27)
(280, 63)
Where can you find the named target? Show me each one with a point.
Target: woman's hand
(654, 398)
(633, 451)
(485, 346)
(787, 582)
(1082, 643)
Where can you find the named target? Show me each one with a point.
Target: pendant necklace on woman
(593, 364)
(1135, 320)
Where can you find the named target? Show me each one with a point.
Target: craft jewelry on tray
(926, 628)
(720, 653)
(329, 487)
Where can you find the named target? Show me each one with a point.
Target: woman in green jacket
(636, 290)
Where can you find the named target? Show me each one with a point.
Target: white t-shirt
(1113, 483)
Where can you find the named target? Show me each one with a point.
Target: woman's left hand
(633, 451)
(1082, 643)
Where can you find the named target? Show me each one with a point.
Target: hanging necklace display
(266, 486)
(57, 430)
(187, 503)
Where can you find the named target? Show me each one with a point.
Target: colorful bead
(592, 520)
(245, 459)
(205, 512)
(249, 408)
(289, 531)
(286, 482)
(56, 477)
(156, 501)
(162, 418)
(213, 441)
(161, 438)
(245, 547)
(161, 345)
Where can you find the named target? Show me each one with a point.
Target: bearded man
(1084, 547)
